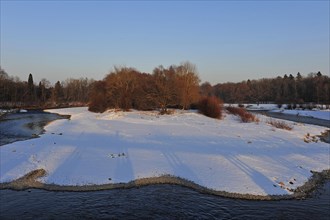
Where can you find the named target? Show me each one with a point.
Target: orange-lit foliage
(243, 114)
(98, 102)
(210, 106)
(127, 88)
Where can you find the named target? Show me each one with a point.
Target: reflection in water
(157, 201)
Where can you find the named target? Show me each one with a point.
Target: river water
(156, 202)
(24, 125)
(150, 202)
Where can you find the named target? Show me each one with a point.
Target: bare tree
(120, 87)
(188, 84)
(164, 91)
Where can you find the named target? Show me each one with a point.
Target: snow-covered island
(118, 147)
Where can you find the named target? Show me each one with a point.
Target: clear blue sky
(227, 40)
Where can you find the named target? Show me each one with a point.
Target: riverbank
(30, 181)
(296, 118)
(324, 136)
(132, 149)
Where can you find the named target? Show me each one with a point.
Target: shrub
(210, 107)
(279, 105)
(97, 98)
(235, 111)
(166, 111)
(98, 104)
(243, 114)
(248, 117)
(241, 105)
(279, 124)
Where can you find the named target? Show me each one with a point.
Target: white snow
(223, 154)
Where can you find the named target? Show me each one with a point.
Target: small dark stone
(291, 182)
(274, 185)
(110, 179)
(60, 134)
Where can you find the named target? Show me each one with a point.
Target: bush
(241, 105)
(98, 104)
(248, 117)
(243, 114)
(279, 124)
(97, 98)
(210, 107)
(166, 111)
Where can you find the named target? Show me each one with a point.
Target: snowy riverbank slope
(320, 114)
(118, 147)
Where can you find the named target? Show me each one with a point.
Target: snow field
(115, 147)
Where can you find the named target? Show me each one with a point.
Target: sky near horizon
(227, 40)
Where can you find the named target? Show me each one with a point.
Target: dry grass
(280, 124)
(166, 111)
(243, 114)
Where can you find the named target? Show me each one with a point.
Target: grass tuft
(280, 124)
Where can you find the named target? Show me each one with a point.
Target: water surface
(156, 202)
(24, 125)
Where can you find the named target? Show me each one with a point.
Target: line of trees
(126, 88)
(17, 93)
(175, 86)
(287, 89)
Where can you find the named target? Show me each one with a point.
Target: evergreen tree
(31, 93)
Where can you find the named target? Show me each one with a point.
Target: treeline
(175, 86)
(127, 88)
(315, 88)
(17, 93)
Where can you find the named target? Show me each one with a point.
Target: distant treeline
(315, 88)
(15, 93)
(175, 86)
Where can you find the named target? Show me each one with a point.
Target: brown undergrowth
(243, 114)
(280, 124)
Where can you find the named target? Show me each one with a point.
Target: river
(156, 202)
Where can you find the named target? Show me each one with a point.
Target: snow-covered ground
(118, 147)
